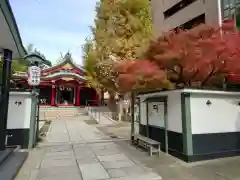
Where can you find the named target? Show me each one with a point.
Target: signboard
(34, 74)
(156, 114)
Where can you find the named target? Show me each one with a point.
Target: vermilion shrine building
(62, 85)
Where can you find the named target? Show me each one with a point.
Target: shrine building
(62, 85)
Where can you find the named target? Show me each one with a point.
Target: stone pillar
(6, 56)
(53, 95)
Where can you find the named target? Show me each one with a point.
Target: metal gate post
(37, 118)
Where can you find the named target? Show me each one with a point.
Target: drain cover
(114, 137)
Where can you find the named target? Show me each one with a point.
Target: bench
(152, 145)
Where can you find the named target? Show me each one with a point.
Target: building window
(192, 23)
(177, 7)
(229, 7)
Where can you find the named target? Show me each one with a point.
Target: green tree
(122, 31)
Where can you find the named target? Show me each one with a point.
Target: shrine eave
(53, 76)
(63, 75)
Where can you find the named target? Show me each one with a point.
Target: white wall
(174, 112)
(174, 116)
(223, 115)
(143, 112)
(19, 115)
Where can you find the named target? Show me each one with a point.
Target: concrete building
(170, 14)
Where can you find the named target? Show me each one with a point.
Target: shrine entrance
(65, 95)
(63, 85)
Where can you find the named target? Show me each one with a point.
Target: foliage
(140, 75)
(89, 65)
(121, 32)
(202, 56)
(19, 65)
(199, 55)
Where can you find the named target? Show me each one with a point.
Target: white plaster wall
(19, 116)
(223, 115)
(143, 113)
(211, 8)
(174, 112)
(174, 116)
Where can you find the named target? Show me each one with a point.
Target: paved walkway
(100, 115)
(75, 150)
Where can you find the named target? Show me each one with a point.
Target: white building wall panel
(222, 115)
(19, 115)
(174, 112)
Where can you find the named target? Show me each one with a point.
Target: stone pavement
(74, 150)
(99, 114)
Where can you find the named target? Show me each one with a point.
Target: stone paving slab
(59, 155)
(115, 173)
(133, 170)
(147, 176)
(117, 164)
(84, 154)
(102, 152)
(53, 171)
(48, 163)
(59, 148)
(79, 147)
(64, 177)
(114, 157)
(93, 171)
(89, 158)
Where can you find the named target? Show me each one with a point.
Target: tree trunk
(120, 109)
(112, 105)
(123, 108)
(102, 97)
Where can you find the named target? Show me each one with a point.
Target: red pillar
(53, 96)
(96, 102)
(78, 96)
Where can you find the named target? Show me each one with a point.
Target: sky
(55, 26)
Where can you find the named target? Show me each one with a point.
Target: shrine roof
(65, 60)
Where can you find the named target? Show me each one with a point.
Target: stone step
(12, 164)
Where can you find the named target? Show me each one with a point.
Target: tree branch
(213, 72)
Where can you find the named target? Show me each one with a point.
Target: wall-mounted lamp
(208, 103)
(18, 103)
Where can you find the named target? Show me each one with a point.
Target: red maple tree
(204, 55)
(140, 74)
(199, 55)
